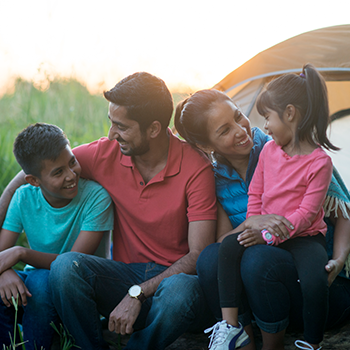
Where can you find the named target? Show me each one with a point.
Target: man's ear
(154, 129)
(32, 180)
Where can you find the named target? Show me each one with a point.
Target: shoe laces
(304, 345)
(219, 332)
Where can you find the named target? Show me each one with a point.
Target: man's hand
(250, 237)
(333, 268)
(9, 258)
(277, 225)
(12, 285)
(123, 317)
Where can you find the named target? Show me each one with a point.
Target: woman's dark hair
(36, 143)
(191, 115)
(307, 92)
(145, 97)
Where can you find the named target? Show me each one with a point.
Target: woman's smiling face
(229, 131)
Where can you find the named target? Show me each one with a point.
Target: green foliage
(66, 103)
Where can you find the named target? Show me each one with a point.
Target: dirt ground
(336, 339)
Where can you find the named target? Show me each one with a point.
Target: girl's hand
(333, 268)
(277, 225)
(250, 237)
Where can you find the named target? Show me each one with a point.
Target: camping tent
(328, 49)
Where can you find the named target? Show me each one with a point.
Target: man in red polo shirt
(165, 214)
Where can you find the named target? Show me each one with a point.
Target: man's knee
(179, 288)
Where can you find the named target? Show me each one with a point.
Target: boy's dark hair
(37, 143)
(145, 97)
(307, 92)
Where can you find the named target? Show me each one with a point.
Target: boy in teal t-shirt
(59, 213)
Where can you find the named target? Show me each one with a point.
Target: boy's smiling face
(59, 179)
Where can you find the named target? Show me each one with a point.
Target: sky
(190, 44)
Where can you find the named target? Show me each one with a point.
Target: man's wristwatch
(267, 236)
(136, 292)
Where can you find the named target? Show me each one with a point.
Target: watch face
(135, 291)
(268, 236)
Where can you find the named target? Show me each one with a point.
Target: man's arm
(200, 234)
(6, 196)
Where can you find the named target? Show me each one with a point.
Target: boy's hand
(12, 285)
(9, 258)
(123, 317)
(250, 237)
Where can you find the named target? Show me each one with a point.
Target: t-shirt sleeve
(201, 196)
(13, 220)
(100, 215)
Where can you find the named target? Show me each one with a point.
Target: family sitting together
(231, 224)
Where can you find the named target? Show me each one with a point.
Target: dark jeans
(36, 317)
(85, 286)
(270, 280)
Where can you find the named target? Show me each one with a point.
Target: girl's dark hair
(307, 92)
(191, 115)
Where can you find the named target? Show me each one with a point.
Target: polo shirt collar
(173, 164)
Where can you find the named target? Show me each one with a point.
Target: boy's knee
(61, 267)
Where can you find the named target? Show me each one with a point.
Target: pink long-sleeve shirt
(294, 187)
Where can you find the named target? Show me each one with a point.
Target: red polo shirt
(151, 221)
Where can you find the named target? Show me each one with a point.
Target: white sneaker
(304, 345)
(227, 337)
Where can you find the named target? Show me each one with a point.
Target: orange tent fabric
(328, 49)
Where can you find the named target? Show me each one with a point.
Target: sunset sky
(190, 44)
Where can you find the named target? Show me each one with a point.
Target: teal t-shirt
(54, 230)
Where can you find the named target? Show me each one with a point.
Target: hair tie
(302, 75)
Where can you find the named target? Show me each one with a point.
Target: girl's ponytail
(316, 118)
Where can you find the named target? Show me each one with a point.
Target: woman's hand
(333, 268)
(277, 225)
(250, 237)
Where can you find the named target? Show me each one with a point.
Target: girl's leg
(310, 257)
(229, 278)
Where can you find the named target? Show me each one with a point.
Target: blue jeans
(271, 282)
(35, 317)
(207, 269)
(84, 287)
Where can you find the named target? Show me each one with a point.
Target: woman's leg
(310, 258)
(270, 280)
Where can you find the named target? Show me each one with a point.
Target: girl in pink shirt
(291, 180)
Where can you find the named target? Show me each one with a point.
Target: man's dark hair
(37, 143)
(145, 97)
